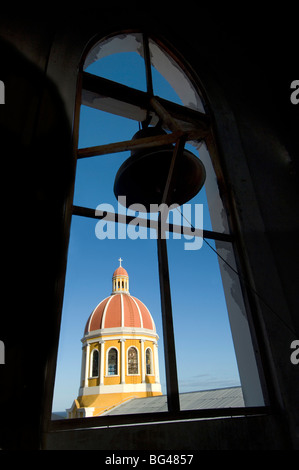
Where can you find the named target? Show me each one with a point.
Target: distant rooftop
(231, 397)
(206, 399)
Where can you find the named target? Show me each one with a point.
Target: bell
(142, 177)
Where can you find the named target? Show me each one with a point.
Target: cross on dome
(120, 280)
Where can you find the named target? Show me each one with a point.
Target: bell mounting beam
(125, 145)
(164, 115)
(147, 142)
(106, 95)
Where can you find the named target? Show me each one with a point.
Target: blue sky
(204, 348)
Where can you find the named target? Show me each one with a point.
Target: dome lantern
(120, 280)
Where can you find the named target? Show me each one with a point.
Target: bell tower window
(187, 265)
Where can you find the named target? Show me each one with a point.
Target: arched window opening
(148, 361)
(112, 362)
(214, 345)
(132, 361)
(95, 363)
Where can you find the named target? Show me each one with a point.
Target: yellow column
(102, 361)
(142, 362)
(156, 363)
(122, 362)
(87, 349)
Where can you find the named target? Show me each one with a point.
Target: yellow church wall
(93, 382)
(132, 342)
(105, 402)
(112, 380)
(150, 379)
(115, 343)
(112, 343)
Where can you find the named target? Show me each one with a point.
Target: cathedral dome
(119, 354)
(120, 309)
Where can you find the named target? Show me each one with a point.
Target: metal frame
(138, 105)
(150, 418)
(184, 124)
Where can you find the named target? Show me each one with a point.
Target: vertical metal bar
(147, 61)
(173, 400)
(172, 172)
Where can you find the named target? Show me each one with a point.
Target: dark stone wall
(246, 63)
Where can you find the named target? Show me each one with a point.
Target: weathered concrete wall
(251, 433)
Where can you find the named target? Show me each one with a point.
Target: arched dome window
(149, 361)
(132, 361)
(95, 363)
(112, 361)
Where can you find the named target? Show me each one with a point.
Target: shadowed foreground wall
(246, 76)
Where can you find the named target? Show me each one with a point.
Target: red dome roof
(120, 310)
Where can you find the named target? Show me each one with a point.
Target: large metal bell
(142, 177)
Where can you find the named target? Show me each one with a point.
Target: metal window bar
(160, 417)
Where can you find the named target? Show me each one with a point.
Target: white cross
(120, 260)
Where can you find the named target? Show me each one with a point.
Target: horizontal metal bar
(125, 145)
(108, 88)
(172, 228)
(164, 114)
(110, 96)
(147, 418)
